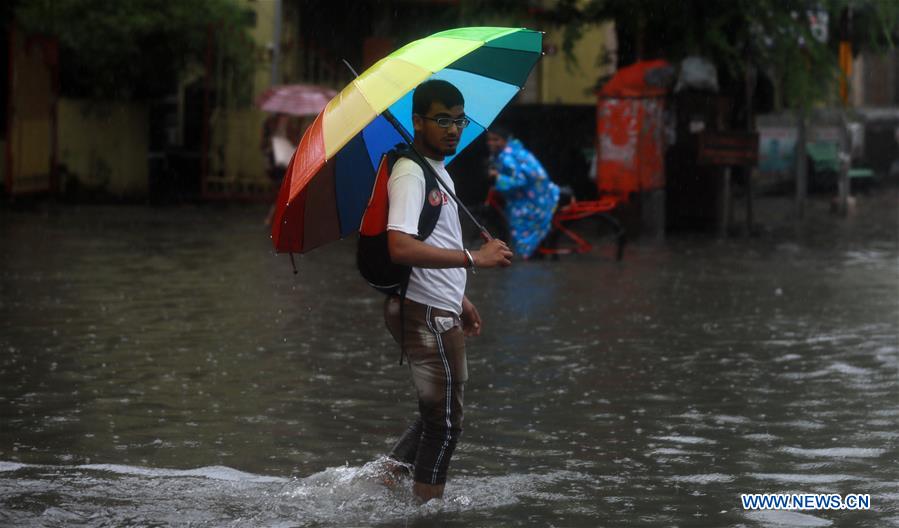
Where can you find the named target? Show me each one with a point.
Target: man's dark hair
(435, 91)
(501, 131)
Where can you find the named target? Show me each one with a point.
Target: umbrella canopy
(295, 99)
(330, 178)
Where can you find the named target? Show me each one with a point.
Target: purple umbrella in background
(295, 99)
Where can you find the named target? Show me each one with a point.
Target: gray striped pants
(435, 348)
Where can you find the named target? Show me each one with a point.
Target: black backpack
(372, 254)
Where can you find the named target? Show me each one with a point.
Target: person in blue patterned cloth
(530, 196)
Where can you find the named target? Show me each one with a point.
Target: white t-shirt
(440, 288)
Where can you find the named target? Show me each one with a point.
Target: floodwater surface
(161, 367)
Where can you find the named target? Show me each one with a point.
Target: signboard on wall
(777, 149)
(728, 147)
(777, 145)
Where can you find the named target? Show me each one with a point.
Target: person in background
(280, 135)
(530, 196)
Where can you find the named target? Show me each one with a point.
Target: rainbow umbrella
(330, 177)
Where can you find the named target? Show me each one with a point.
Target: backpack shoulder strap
(430, 212)
(426, 221)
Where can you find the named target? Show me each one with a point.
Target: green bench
(825, 157)
(861, 174)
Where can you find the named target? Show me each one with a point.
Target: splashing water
(95, 494)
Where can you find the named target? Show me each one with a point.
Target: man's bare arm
(407, 250)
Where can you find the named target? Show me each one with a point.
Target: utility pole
(801, 164)
(845, 53)
(750, 80)
(276, 45)
(845, 140)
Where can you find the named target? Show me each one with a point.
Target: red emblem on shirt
(435, 198)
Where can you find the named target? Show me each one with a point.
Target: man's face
(441, 142)
(495, 142)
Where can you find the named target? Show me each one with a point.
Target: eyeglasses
(446, 122)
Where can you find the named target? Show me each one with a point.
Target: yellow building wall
(236, 162)
(104, 146)
(31, 134)
(574, 83)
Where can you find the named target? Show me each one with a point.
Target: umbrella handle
(484, 233)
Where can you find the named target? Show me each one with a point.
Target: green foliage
(773, 35)
(134, 49)
(431, 17)
(493, 13)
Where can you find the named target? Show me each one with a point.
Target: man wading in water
(436, 315)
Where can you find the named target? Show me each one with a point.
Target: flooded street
(162, 367)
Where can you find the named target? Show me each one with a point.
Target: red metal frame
(574, 210)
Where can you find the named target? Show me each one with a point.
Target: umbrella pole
(409, 141)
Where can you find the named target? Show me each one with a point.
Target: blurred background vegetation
(138, 49)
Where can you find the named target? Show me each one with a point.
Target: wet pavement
(163, 367)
